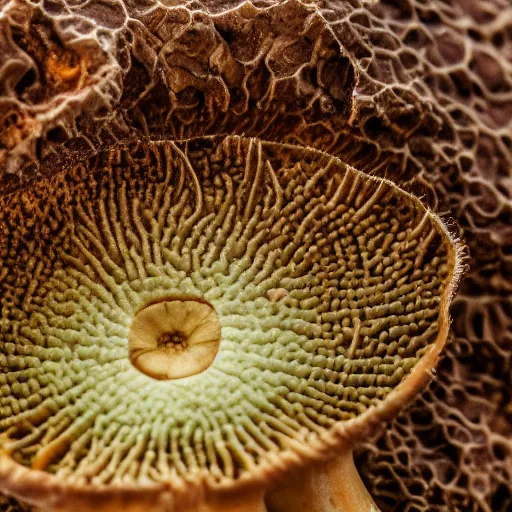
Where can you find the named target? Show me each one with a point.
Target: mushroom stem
(333, 487)
(250, 501)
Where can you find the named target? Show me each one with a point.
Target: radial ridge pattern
(327, 285)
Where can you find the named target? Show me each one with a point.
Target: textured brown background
(420, 92)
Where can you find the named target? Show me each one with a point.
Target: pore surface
(327, 285)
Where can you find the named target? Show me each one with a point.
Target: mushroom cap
(331, 288)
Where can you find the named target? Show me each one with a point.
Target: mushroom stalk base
(333, 487)
(250, 501)
(244, 502)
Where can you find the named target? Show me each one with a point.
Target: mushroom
(184, 324)
(418, 92)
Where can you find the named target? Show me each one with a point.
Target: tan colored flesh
(333, 487)
(249, 501)
(246, 501)
(50, 451)
(144, 322)
(195, 329)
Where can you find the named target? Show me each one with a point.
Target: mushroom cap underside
(331, 288)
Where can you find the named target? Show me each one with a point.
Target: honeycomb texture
(430, 100)
(77, 79)
(450, 77)
(327, 285)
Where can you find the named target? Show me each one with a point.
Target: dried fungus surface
(328, 286)
(430, 99)
(52, 64)
(451, 449)
(447, 68)
(78, 78)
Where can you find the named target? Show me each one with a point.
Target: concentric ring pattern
(327, 285)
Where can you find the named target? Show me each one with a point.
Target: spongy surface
(432, 102)
(327, 286)
(449, 78)
(75, 78)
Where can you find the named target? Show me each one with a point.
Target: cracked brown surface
(451, 450)
(430, 108)
(164, 71)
